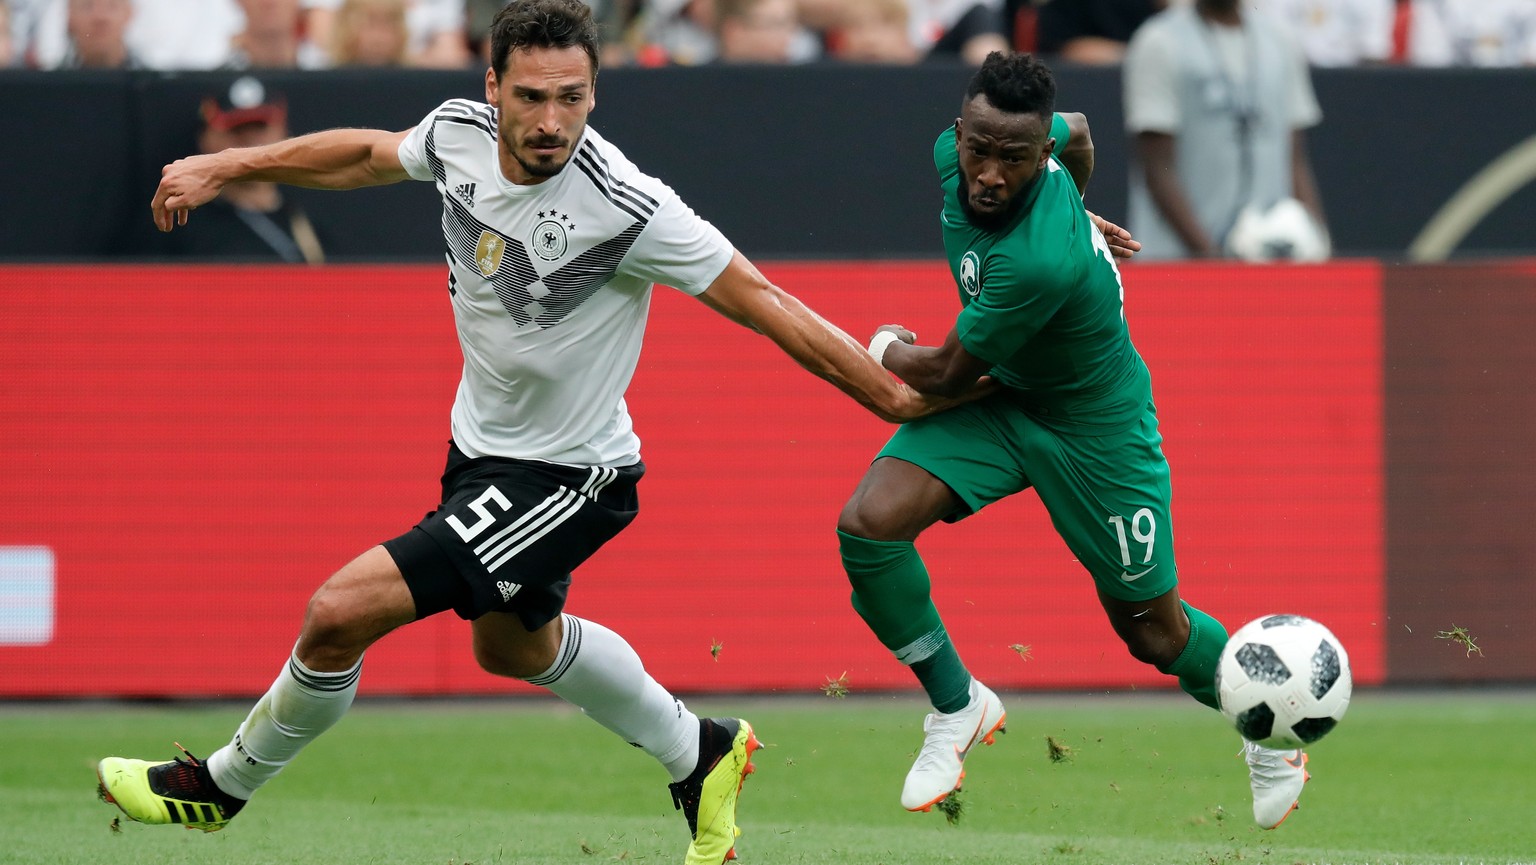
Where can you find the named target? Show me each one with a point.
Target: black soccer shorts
(509, 532)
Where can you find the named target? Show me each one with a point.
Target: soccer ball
(1283, 232)
(1283, 681)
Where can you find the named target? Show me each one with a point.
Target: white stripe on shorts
(531, 514)
(568, 506)
(600, 479)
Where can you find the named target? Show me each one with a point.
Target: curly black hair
(1015, 83)
(542, 24)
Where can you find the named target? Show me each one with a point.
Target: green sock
(1196, 665)
(890, 591)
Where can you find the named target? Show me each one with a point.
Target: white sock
(299, 706)
(599, 672)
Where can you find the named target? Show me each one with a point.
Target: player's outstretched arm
(742, 294)
(334, 159)
(945, 370)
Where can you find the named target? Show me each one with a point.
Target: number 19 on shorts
(1143, 531)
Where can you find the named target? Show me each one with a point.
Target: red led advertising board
(189, 451)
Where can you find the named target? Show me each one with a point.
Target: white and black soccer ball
(1283, 681)
(1283, 232)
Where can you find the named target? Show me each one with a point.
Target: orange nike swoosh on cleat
(975, 734)
(1297, 764)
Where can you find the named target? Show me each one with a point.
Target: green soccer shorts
(1108, 495)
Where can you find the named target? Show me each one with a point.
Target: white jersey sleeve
(678, 248)
(413, 150)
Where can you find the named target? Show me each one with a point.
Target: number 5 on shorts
(491, 494)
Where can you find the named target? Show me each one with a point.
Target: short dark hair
(542, 24)
(1015, 83)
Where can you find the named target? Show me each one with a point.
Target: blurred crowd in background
(1217, 94)
(448, 34)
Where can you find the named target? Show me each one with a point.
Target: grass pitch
(1447, 777)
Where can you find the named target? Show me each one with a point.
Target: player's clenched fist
(887, 334)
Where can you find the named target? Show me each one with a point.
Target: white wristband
(880, 343)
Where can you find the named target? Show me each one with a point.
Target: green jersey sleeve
(1016, 300)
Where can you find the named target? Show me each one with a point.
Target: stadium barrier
(189, 451)
(809, 162)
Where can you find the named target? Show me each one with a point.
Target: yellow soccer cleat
(708, 796)
(178, 791)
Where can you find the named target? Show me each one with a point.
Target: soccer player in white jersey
(554, 240)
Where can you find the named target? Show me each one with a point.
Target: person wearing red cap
(251, 220)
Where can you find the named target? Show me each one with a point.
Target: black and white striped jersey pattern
(550, 285)
(528, 297)
(474, 114)
(632, 201)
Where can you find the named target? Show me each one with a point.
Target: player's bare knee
(497, 663)
(513, 662)
(504, 646)
(488, 659)
(848, 522)
(335, 631)
(862, 519)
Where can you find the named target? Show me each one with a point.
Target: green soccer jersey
(1043, 302)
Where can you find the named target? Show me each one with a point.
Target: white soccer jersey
(551, 285)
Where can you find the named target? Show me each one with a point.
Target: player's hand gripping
(1121, 244)
(185, 185)
(923, 404)
(895, 330)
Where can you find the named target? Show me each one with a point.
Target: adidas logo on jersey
(466, 191)
(508, 589)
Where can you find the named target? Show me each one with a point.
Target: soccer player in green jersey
(1074, 419)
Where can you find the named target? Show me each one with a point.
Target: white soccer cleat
(940, 765)
(1277, 778)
